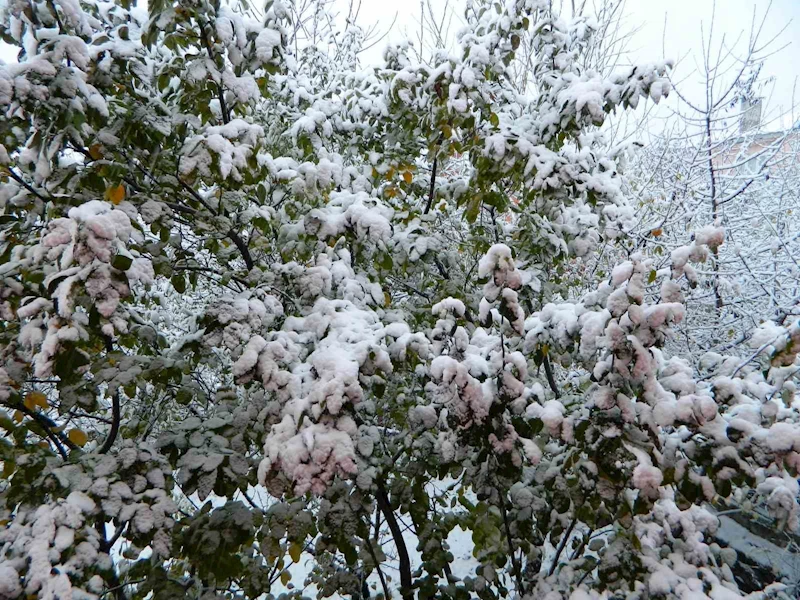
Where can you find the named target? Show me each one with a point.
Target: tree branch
(385, 587)
(115, 419)
(402, 552)
(548, 371)
(243, 249)
(234, 237)
(511, 551)
(25, 184)
(117, 586)
(223, 106)
(433, 186)
(49, 426)
(561, 545)
(106, 546)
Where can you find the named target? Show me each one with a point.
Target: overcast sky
(682, 40)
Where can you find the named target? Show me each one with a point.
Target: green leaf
(471, 214)
(68, 362)
(179, 282)
(122, 262)
(350, 553)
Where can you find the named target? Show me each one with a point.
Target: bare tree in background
(719, 160)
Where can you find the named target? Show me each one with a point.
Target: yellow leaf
(408, 177)
(116, 194)
(95, 151)
(387, 299)
(35, 399)
(77, 437)
(286, 577)
(295, 550)
(18, 416)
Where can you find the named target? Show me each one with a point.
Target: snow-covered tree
(252, 342)
(723, 158)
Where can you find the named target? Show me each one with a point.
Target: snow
(758, 549)
(266, 42)
(334, 362)
(647, 478)
(9, 582)
(449, 305)
(710, 236)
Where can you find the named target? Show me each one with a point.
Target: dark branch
(234, 237)
(385, 587)
(116, 585)
(561, 545)
(511, 552)
(50, 428)
(223, 106)
(106, 546)
(25, 184)
(402, 552)
(243, 249)
(548, 370)
(115, 419)
(433, 186)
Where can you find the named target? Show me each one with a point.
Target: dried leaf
(77, 437)
(295, 550)
(35, 399)
(116, 194)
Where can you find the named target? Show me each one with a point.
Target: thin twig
(385, 587)
(561, 545)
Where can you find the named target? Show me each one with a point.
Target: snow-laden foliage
(266, 314)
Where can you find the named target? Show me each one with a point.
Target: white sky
(683, 40)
